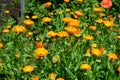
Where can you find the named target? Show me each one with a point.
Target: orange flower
(27, 16)
(1, 45)
(74, 23)
(112, 56)
(119, 16)
(46, 19)
(66, 1)
(40, 52)
(52, 34)
(102, 14)
(39, 44)
(78, 13)
(88, 52)
(98, 9)
(85, 67)
(108, 24)
(88, 37)
(35, 78)
(106, 3)
(59, 79)
(29, 34)
(5, 30)
(67, 19)
(96, 52)
(28, 22)
(94, 45)
(72, 30)
(47, 4)
(93, 28)
(102, 49)
(34, 17)
(19, 29)
(28, 68)
(118, 37)
(62, 34)
(8, 26)
(99, 21)
(52, 75)
(80, 0)
(7, 11)
(67, 10)
(17, 55)
(118, 69)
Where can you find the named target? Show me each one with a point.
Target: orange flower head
(72, 30)
(88, 52)
(118, 69)
(28, 22)
(39, 44)
(28, 68)
(85, 67)
(88, 37)
(5, 30)
(34, 17)
(74, 23)
(112, 56)
(67, 19)
(62, 34)
(96, 52)
(80, 0)
(94, 45)
(35, 78)
(118, 37)
(46, 20)
(19, 29)
(108, 24)
(98, 9)
(59, 79)
(67, 10)
(93, 28)
(66, 1)
(99, 21)
(52, 34)
(47, 4)
(52, 75)
(8, 26)
(106, 3)
(1, 45)
(78, 13)
(17, 55)
(27, 17)
(102, 14)
(7, 11)
(40, 52)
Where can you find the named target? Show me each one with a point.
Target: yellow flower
(17, 55)
(66, 1)
(35, 78)
(19, 29)
(40, 52)
(72, 30)
(67, 10)
(94, 45)
(1, 45)
(34, 17)
(88, 37)
(59, 79)
(99, 21)
(118, 69)
(85, 67)
(28, 22)
(52, 75)
(112, 56)
(47, 4)
(62, 34)
(28, 68)
(93, 28)
(102, 14)
(67, 19)
(96, 52)
(51, 13)
(74, 23)
(8, 26)
(46, 19)
(29, 34)
(108, 24)
(98, 9)
(5, 30)
(118, 37)
(27, 17)
(7, 11)
(52, 34)
(80, 0)
(78, 13)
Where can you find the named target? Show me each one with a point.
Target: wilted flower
(47, 4)
(106, 3)
(28, 68)
(88, 52)
(5, 30)
(94, 45)
(35, 78)
(52, 34)
(40, 52)
(46, 19)
(19, 29)
(96, 52)
(112, 56)
(62, 34)
(28, 22)
(85, 67)
(1, 45)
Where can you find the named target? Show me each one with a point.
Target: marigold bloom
(39, 44)
(85, 67)
(46, 19)
(7, 11)
(1, 45)
(88, 52)
(98, 9)
(52, 34)
(118, 37)
(72, 30)
(88, 37)
(94, 45)
(102, 14)
(28, 68)
(19, 29)
(52, 75)
(40, 52)
(80, 0)
(118, 16)
(28, 22)
(102, 49)
(34, 17)
(67, 10)
(27, 17)
(74, 23)
(35, 78)
(67, 19)
(8, 26)
(118, 69)
(106, 3)
(5, 30)
(108, 24)
(112, 56)
(59, 79)
(47, 4)
(62, 34)
(99, 21)
(93, 28)
(29, 34)
(78, 13)
(17, 55)
(66, 1)
(96, 52)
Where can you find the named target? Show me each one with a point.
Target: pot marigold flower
(112, 56)
(7, 11)
(67, 19)
(94, 45)
(60, 79)
(52, 75)
(28, 22)
(72, 30)
(80, 0)
(27, 17)
(1, 45)
(106, 3)
(118, 37)
(40, 52)
(74, 23)
(93, 28)
(88, 52)
(118, 16)
(85, 67)
(5, 30)
(118, 69)
(29, 34)
(35, 78)
(88, 37)
(99, 21)
(96, 52)
(19, 29)
(102, 14)
(46, 19)
(62, 34)
(66, 1)
(67, 10)
(28, 68)
(17, 55)
(8, 26)
(98, 9)
(52, 34)
(78, 13)
(34, 17)
(108, 24)
(47, 4)
(39, 44)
